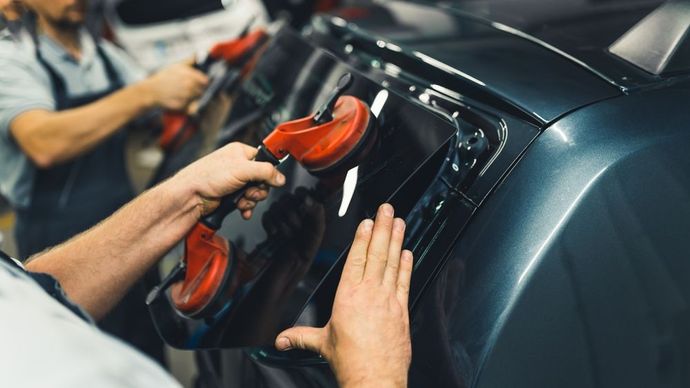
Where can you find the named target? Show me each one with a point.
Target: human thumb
(301, 337)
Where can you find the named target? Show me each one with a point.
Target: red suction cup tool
(321, 145)
(207, 259)
(239, 57)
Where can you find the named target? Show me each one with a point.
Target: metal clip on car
(319, 142)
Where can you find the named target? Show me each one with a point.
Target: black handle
(325, 112)
(228, 204)
(174, 276)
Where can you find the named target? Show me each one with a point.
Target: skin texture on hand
(367, 339)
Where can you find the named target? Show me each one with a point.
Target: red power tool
(225, 64)
(328, 140)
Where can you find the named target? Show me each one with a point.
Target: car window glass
(157, 11)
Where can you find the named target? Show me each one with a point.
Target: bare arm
(97, 267)
(53, 137)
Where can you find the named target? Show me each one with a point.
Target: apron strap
(59, 86)
(56, 80)
(114, 78)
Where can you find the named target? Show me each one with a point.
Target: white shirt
(44, 344)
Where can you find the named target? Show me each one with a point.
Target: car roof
(586, 31)
(546, 57)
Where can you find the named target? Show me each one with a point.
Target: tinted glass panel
(157, 11)
(303, 229)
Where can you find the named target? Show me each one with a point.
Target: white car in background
(160, 32)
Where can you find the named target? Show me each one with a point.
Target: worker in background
(50, 344)
(65, 100)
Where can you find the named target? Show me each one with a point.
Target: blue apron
(74, 196)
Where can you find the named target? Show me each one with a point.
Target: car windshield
(157, 11)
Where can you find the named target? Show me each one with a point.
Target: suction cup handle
(175, 275)
(247, 27)
(228, 204)
(325, 112)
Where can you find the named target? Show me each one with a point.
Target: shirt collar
(52, 49)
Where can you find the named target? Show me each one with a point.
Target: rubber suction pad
(207, 272)
(323, 147)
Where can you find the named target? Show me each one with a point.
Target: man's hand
(367, 340)
(97, 267)
(175, 86)
(227, 170)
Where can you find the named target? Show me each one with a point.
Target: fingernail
(284, 343)
(407, 255)
(280, 179)
(399, 224)
(367, 225)
(387, 210)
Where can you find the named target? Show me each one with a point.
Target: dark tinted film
(156, 11)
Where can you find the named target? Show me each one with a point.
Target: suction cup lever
(275, 146)
(325, 112)
(175, 275)
(247, 27)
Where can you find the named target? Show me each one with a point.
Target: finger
(353, 271)
(246, 214)
(193, 108)
(245, 204)
(301, 337)
(404, 275)
(199, 77)
(377, 254)
(256, 194)
(250, 192)
(390, 275)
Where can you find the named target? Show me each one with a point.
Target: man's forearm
(97, 267)
(53, 137)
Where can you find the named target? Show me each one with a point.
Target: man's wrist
(143, 93)
(186, 195)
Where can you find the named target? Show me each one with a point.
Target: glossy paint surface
(553, 253)
(458, 52)
(574, 273)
